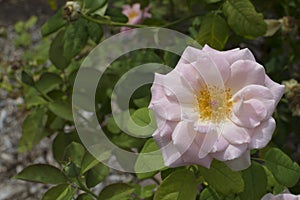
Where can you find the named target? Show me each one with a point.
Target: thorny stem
(112, 23)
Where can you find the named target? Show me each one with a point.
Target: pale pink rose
(135, 14)
(286, 196)
(214, 105)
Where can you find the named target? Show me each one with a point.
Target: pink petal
(231, 152)
(262, 134)
(220, 61)
(136, 7)
(210, 139)
(183, 136)
(243, 73)
(190, 75)
(220, 145)
(177, 88)
(235, 134)
(251, 105)
(167, 110)
(240, 163)
(232, 55)
(276, 89)
(249, 113)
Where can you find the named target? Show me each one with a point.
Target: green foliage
(96, 175)
(243, 18)
(42, 173)
(60, 192)
(33, 129)
(282, 167)
(75, 38)
(222, 178)
(116, 191)
(48, 86)
(175, 186)
(255, 181)
(209, 194)
(53, 24)
(145, 163)
(214, 31)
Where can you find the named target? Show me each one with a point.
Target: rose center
(214, 103)
(132, 15)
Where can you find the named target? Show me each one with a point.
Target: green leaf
(56, 52)
(116, 15)
(94, 5)
(27, 78)
(142, 102)
(84, 196)
(212, 1)
(48, 81)
(112, 126)
(273, 185)
(214, 31)
(255, 180)
(96, 175)
(53, 24)
(33, 129)
(141, 118)
(62, 110)
(61, 141)
(30, 22)
(42, 173)
(243, 18)
(209, 194)
(180, 185)
(95, 31)
(88, 162)
(150, 162)
(35, 101)
(285, 171)
(74, 153)
(60, 192)
(23, 40)
(75, 38)
(222, 178)
(116, 191)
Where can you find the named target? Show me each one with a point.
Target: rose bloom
(135, 14)
(286, 196)
(214, 105)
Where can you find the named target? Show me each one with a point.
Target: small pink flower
(285, 196)
(135, 14)
(214, 105)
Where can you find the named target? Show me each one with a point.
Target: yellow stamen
(132, 15)
(214, 103)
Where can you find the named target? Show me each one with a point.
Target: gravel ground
(11, 105)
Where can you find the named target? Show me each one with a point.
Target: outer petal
(232, 55)
(220, 145)
(286, 196)
(177, 88)
(262, 134)
(243, 73)
(183, 136)
(167, 110)
(235, 134)
(232, 152)
(172, 157)
(210, 139)
(240, 163)
(276, 89)
(220, 61)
